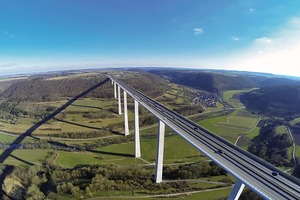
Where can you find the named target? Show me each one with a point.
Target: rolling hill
(218, 81)
(277, 100)
(41, 89)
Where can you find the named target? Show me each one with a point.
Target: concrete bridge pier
(137, 146)
(119, 100)
(126, 114)
(160, 152)
(115, 89)
(237, 190)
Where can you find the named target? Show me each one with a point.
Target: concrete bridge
(260, 176)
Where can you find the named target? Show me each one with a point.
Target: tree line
(272, 147)
(38, 181)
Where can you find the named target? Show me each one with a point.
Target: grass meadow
(186, 154)
(229, 127)
(73, 119)
(120, 154)
(208, 194)
(27, 157)
(295, 121)
(10, 138)
(238, 123)
(297, 152)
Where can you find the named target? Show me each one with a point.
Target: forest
(271, 146)
(85, 181)
(280, 101)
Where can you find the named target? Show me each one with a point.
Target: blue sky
(252, 35)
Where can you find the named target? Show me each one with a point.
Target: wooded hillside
(218, 82)
(281, 100)
(53, 89)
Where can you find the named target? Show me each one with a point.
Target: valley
(88, 132)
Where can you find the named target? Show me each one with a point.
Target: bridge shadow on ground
(80, 125)
(15, 144)
(112, 153)
(83, 106)
(21, 160)
(116, 132)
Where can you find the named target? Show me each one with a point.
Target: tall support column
(126, 114)
(237, 190)
(119, 100)
(137, 146)
(160, 152)
(115, 89)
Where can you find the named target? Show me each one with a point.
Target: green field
(290, 152)
(175, 96)
(187, 152)
(295, 121)
(210, 194)
(281, 130)
(228, 96)
(123, 154)
(73, 159)
(297, 152)
(9, 138)
(255, 132)
(73, 119)
(237, 123)
(229, 127)
(23, 157)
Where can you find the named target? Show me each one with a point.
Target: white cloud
(198, 31)
(234, 38)
(252, 10)
(294, 22)
(284, 60)
(277, 53)
(261, 52)
(263, 45)
(6, 34)
(263, 40)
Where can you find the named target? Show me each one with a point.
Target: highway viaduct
(263, 178)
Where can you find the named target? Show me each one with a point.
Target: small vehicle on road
(274, 173)
(220, 151)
